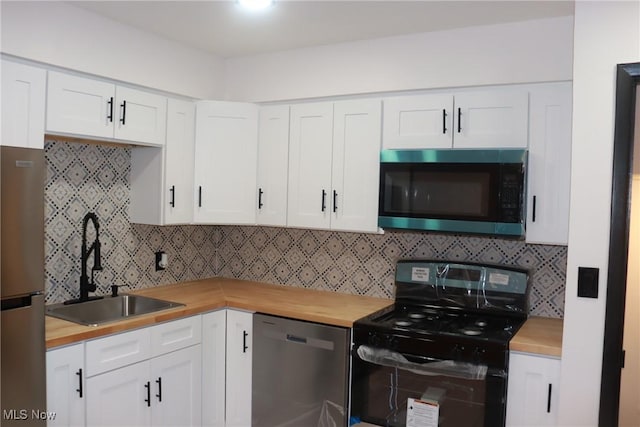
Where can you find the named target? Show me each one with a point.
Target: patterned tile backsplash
(87, 177)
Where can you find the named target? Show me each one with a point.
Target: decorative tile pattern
(364, 264)
(85, 178)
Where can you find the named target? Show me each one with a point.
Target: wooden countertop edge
(539, 335)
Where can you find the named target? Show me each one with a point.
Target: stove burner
(403, 323)
(472, 332)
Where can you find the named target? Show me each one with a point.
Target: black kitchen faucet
(87, 286)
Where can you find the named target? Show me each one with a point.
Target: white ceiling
(222, 28)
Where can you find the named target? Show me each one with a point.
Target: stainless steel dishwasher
(299, 373)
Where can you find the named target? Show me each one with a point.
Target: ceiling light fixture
(254, 5)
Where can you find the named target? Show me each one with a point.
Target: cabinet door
(226, 159)
(176, 385)
(273, 165)
(65, 385)
(549, 175)
(417, 122)
(356, 165)
(122, 397)
(23, 102)
(532, 398)
(214, 336)
(78, 105)
(141, 116)
(492, 119)
(310, 148)
(239, 351)
(179, 161)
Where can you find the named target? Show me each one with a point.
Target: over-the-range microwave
(463, 191)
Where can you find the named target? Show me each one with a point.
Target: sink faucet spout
(87, 286)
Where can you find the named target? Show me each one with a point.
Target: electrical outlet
(162, 261)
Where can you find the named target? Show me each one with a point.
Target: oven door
(393, 389)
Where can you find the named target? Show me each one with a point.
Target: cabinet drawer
(175, 335)
(119, 350)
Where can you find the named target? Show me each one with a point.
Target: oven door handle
(448, 368)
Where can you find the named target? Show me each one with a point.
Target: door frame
(627, 81)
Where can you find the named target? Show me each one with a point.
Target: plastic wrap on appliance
(447, 368)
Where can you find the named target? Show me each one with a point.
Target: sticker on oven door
(421, 413)
(420, 274)
(499, 279)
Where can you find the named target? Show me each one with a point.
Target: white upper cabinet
(87, 107)
(418, 121)
(334, 163)
(549, 175)
(273, 165)
(162, 177)
(23, 104)
(310, 165)
(355, 173)
(485, 119)
(226, 151)
(492, 119)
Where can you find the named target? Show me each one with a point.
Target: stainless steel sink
(109, 309)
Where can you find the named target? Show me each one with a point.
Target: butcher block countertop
(540, 335)
(210, 294)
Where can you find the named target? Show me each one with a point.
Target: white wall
(64, 35)
(532, 51)
(606, 33)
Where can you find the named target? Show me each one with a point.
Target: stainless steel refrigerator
(22, 358)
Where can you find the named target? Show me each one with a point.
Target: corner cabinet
(532, 394)
(549, 175)
(23, 105)
(66, 386)
(226, 149)
(334, 165)
(85, 107)
(273, 165)
(162, 178)
(239, 353)
(484, 119)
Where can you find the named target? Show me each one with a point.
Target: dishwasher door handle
(294, 338)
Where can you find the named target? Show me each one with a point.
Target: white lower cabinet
(532, 397)
(145, 377)
(65, 386)
(214, 337)
(239, 363)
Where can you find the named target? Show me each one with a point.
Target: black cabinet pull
(260, 193)
(444, 121)
(79, 389)
(110, 104)
(324, 200)
(549, 400)
(459, 120)
(172, 203)
(148, 387)
(159, 395)
(124, 111)
(200, 196)
(244, 341)
(335, 201)
(533, 216)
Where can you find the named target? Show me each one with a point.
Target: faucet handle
(114, 289)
